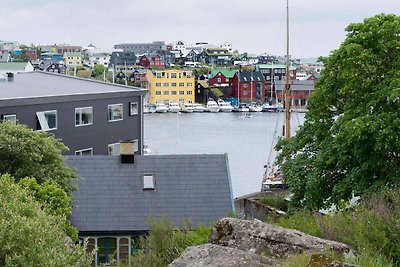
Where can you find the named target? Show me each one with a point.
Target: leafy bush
(165, 243)
(302, 220)
(28, 235)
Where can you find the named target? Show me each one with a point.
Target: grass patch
(277, 202)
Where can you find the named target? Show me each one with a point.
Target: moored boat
(188, 108)
(224, 106)
(173, 107)
(198, 107)
(212, 106)
(161, 108)
(255, 108)
(241, 108)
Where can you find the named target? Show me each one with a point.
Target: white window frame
(148, 181)
(8, 116)
(79, 152)
(80, 117)
(108, 112)
(112, 147)
(41, 116)
(133, 112)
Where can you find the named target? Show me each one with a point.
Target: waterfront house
(115, 200)
(249, 86)
(89, 116)
(221, 77)
(171, 85)
(72, 59)
(202, 92)
(300, 91)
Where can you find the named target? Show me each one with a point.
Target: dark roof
(296, 85)
(44, 84)
(247, 76)
(110, 195)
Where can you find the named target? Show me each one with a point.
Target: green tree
(99, 70)
(28, 235)
(349, 144)
(28, 153)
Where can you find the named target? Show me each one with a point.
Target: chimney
(10, 77)
(127, 151)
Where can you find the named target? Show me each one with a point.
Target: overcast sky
(255, 26)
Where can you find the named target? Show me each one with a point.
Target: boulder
(268, 239)
(218, 256)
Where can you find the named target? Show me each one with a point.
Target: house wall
(247, 90)
(219, 80)
(98, 135)
(158, 85)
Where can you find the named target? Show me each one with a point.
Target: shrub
(277, 202)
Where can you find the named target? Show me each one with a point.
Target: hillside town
(173, 72)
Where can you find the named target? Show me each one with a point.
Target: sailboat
(273, 177)
(253, 107)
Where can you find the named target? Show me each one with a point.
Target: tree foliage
(28, 235)
(349, 144)
(28, 153)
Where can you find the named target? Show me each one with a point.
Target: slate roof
(273, 66)
(110, 195)
(41, 84)
(247, 76)
(296, 85)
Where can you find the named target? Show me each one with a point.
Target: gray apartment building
(141, 48)
(89, 116)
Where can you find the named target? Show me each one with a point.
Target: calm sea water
(247, 141)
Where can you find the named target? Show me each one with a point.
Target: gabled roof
(228, 73)
(247, 76)
(296, 85)
(204, 84)
(111, 198)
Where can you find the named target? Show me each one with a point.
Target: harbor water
(247, 140)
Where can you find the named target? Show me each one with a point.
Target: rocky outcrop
(210, 255)
(267, 239)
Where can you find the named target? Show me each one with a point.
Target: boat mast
(287, 83)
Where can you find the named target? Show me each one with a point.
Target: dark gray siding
(98, 135)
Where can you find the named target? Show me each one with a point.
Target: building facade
(249, 86)
(171, 85)
(90, 117)
(141, 48)
(73, 59)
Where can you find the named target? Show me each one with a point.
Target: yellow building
(72, 59)
(171, 85)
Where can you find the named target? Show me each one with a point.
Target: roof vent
(127, 151)
(10, 76)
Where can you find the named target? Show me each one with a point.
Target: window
(84, 152)
(83, 116)
(134, 108)
(158, 92)
(188, 75)
(166, 84)
(181, 84)
(11, 118)
(173, 84)
(173, 92)
(115, 112)
(158, 84)
(148, 181)
(106, 249)
(158, 75)
(166, 93)
(190, 101)
(47, 120)
(114, 149)
(219, 80)
(189, 84)
(181, 92)
(189, 92)
(181, 101)
(173, 75)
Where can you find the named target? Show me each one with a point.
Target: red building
(248, 86)
(221, 77)
(301, 91)
(155, 61)
(31, 54)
